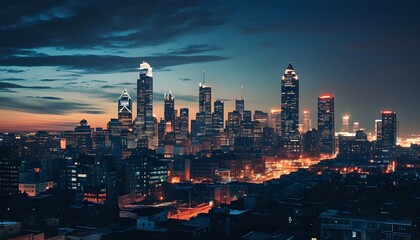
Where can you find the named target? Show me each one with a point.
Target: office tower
(261, 117)
(145, 121)
(125, 111)
(247, 116)
(378, 129)
(290, 112)
(240, 103)
(183, 123)
(356, 127)
(169, 111)
(389, 130)
(326, 123)
(203, 117)
(276, 120)
(311, 143)
(218, 116)
(9, 170)
(345, 124)
(307, 124)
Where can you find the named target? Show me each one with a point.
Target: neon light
(325, 96)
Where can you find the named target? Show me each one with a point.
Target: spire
(242, 92)
(204, 77)
(290, 67)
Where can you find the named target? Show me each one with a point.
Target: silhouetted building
(326, 123)
(389, 130)
(183, 123)
(311, 143)
(169, 110)
(261, 117)
(125, 111)
(218, 116)
(204, 117)
(290, 112)
(9, 170)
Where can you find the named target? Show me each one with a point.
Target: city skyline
(53, 86)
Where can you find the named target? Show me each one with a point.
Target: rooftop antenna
(242, 92)
(204, 77)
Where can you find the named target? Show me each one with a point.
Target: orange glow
(326, 96)
(387, 112)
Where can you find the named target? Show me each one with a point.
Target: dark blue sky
(62, 61)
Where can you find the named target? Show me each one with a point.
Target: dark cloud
(12, 70)
(12, 79)
(43, 106)
(5, 86)
(194, 49)
(45, 97)
(108, 86)
(69, 24)
(185, 79)
(105, 63)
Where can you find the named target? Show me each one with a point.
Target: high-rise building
(389, 130)
(356, 127)
(169, 110)
(276, 120)
(218, 116)
(290, 112)
(203, 117)
(9, 170)
(145, 121)
(261, 117)
(326, 123)
(345, 124)
(240, 103)
(307, 124)
(183, 123)
(125, 111)
(378, 129)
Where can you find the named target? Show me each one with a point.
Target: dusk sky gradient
(62, 61)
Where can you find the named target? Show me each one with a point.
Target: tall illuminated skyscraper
(125, 115)
(276, 120)
(345, 124)
(169, 110)
(378, 129)
(290, 112)
(144, 123)
(183, 123)
(203, 117)
(326, 123)
(307, 124)
(389, 130)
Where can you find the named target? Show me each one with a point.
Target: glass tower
(326, 123)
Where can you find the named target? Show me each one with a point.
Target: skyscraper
(204, 118)
(378, 129)
(145, 122)
(356, 127)
(169, 110)
(240, 103)
(276, 120)
(290, 112)
(183, 123)
(326, 123)
(125, 111)
(307, 124)
(345, 124)
(389, 130)
(218, 116)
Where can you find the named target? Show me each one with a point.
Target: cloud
(57, 79)
(194, 49)
(44, 106)
(105, 63)
(185, 79)
(69, 24)
(12, 79)
(45, 97)
(12, 70)
(5, 86)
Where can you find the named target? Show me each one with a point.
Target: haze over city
(60, 63)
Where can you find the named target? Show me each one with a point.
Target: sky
(63, 61)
